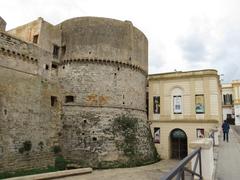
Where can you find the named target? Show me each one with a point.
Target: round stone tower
(103, 76)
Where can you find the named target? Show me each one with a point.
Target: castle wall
(103, 38)
(49, 36)
(12, 47)
(101, 84)
(27, 31)
(26, 113)
(104, 68)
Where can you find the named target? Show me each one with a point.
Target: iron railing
(178, 172)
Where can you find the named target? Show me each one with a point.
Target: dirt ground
(150, 172)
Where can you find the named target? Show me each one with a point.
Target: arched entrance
(178, 144)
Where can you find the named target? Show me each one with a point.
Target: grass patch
(60, 164)
(17, 173)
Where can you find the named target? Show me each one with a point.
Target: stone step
(57, 174)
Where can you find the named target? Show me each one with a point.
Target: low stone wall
(26, 161)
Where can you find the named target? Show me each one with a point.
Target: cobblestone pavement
(149, 172)
(228, 158)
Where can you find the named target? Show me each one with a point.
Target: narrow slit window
(69, 99)
(55, 51)
(46, 67)
(35, 39)
(53, 101)
(54, 66)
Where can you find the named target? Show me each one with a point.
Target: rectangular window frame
(53, 101)
(156, 135)
(177, 104)
(200, 133)
(56, 51)
(156, 104)
(69, 99)
(227, 99)
(199, 104)
(35, 38)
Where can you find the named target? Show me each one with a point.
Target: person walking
(225, 128)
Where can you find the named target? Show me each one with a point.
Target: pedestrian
(225, 128)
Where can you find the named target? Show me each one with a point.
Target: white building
(183, 106)
(231, 102)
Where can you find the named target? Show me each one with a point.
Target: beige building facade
(183, 106)
(231, 102)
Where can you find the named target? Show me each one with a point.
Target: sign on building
(177, 104)
(156, 104)
(157, 135)
(199, 104)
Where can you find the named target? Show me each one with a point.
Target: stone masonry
(79, 85)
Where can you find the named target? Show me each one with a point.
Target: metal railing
(178, 172)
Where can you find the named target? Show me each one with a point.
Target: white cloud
(183, 35)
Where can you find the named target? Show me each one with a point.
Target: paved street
(150, 172)
(228, 162)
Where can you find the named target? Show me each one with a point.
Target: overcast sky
(182, 34)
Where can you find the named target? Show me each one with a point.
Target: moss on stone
(128, 128)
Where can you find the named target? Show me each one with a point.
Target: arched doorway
(178, 144)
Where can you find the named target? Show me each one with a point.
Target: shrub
(56, 149)
(60, 163)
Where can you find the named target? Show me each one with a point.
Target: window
(69, 99)
(177, 104)
(46, 66)
(55, 51)
(35, 39)
(157, 135)
(199, 104)
(54, 66)
(53, 101)
(200, 133)
(156, 104)
(229, 116)
(227, 99)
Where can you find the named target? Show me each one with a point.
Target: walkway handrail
(181, 167)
